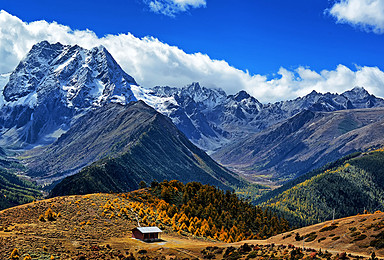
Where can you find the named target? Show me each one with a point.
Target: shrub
(50, 215)
(310, 237)
(328, 228)
(321, 239)
(41, 218)
(15, 254)
(361, 237)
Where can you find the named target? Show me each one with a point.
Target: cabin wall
(137, 234)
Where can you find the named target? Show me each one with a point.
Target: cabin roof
(145, 230)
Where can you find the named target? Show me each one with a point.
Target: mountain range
(56, 83)
(303, 143)
(57, 101)
(212, 119)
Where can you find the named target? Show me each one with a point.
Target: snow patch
(161, 104)
(4, 78)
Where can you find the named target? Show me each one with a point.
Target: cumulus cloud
(367, 14)
(152, 62)
(172, 7)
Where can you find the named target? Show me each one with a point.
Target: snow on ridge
(159, 103)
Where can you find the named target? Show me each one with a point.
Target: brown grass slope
(359, 235)
(96, 226)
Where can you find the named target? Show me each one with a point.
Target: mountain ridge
(348, 186)
(126, 144)
(303, 143)
(215, 122)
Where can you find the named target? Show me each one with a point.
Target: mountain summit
(53, 84)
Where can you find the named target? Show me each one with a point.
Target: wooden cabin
(147, 234)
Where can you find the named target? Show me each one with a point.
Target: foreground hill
(99, 225)
(304, 142)
(348, 187)
(356, 235)
(127, 145)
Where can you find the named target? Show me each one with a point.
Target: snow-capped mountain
(211, 119)
(53, 84)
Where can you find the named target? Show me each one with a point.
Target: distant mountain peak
(361, 91)
(241, 95)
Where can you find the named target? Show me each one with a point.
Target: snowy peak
(247, 101)
(206, 97)
(241, 96)
(356, 92)
(360, 98)
(31, 70)
(84, 77)
(54, 84)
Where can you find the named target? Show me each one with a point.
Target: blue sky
(259, 36)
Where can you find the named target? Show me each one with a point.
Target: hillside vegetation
(98, 226)
(14, 190)
(348, 187)
(203, 210)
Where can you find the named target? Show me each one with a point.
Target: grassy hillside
(349, 187)
(351, 236)
(15, 191)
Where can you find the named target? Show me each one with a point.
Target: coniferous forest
(206, 211)
(349, 186)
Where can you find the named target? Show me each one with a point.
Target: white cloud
(367, 14)
(172, 7)
(152, 63)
